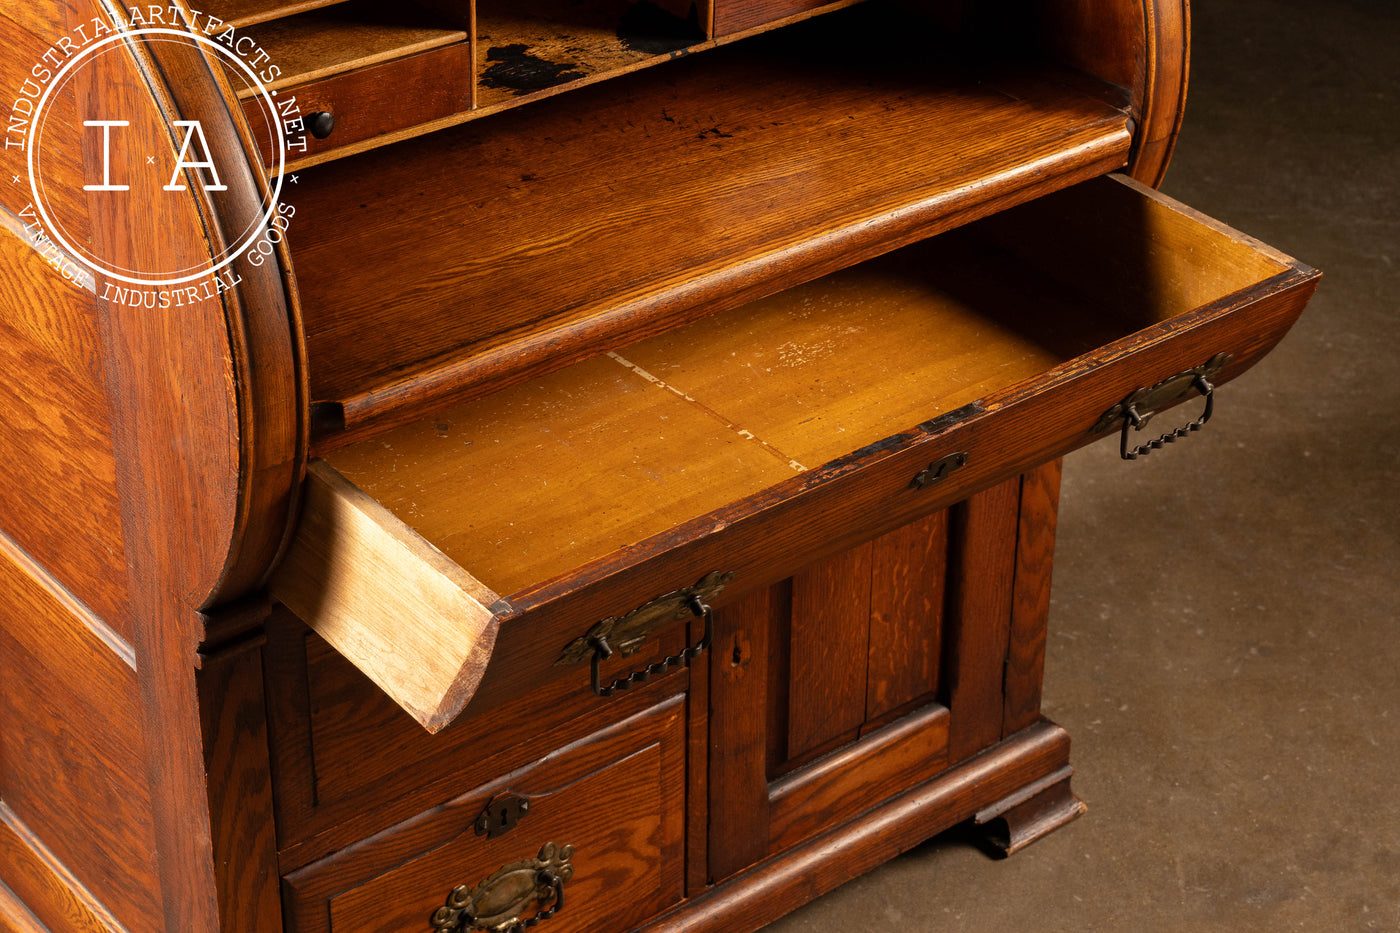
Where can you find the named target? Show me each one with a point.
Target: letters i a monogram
(192, 129)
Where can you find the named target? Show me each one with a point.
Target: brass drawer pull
(497, 903)
(602, 651)
(626, 634)
(1139, 407)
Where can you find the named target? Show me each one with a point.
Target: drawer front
(369, 102)
(605, 815)
(350, 762)
(1013, 337)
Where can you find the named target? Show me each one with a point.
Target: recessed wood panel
(908, 569)
(828, 641)
(57, 470)
(72, 764)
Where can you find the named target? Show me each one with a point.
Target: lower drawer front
(602, 818)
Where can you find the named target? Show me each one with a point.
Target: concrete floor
(1224, 645)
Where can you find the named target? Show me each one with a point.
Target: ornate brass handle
(498, 903)
(625, 634)
(1139, 407)
(602, 651)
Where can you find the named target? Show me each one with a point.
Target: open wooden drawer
(461, 554)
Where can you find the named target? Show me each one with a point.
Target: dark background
(1225, 632)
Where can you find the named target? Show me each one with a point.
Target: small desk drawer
(604, 816)
(352, 71)
(760, 439)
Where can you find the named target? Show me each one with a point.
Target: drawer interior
(795, 415)
(527, 484)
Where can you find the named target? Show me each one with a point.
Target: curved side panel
(1142, 46)
(262, 316)
(1168, 55)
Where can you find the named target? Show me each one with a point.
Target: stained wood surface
(53, 899)
(1167, 66)
(343, 37)
(843, 785)
(782, 884)
(244, 839)
(827, 645)
(240, 13)
(16, 917)
(56, 425)
(1030, 599)
(908, 573)
(738, 721)
(577, 795)
(558, 447)
(207, 430)
(749, 168)
(368, 102)
(979, 615)
(526, 46)
(417, 624)
(349, 762)
(684, 423)
(738, 15)
(74, 768)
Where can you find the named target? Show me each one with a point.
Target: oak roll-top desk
(615, 486)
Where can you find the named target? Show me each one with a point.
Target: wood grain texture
(733, 16)
(52, 898)
(324, 715)
(782, 884)
(199, 526)
(768, 535)
(399, 878)
(1167, 57)
(408, 617)
(56, 425)
(71, 746)
(528, 46)
(1030, 599)
(15, 915)
(737, 752)
(721, 412)
(836, 161)
(234, 726)
(828, 644)
(979, 615)
(343, 37)
(499, 485)
(240, 13)
(372, 101)
(857, 778)
(697, 785)
(907, 592)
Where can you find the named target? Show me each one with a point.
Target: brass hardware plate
(626, 634)
(501, 815)
(1146, 402)
(940, 469)
(499, 902)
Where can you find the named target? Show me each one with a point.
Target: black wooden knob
(322, 123)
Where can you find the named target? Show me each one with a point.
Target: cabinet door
(875, 669)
